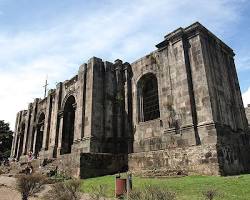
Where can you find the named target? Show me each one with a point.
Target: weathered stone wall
(183, 92)
(232, 150)
(93, 165)
(20, 133)
(69, 164)
(227, 105)
(176, 161)
(247, 110)
(197, 109)
(85, 165)
(229, 156)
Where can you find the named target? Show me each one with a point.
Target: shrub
(64, 191)
(152, 193)
(28, 185)
(210, 193)
(98, 192)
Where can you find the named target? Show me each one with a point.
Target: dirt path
(9, 194)
(8, 191)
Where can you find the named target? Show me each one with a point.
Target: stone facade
(247, 110)
(177, 108)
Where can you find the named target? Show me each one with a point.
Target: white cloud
(118, 30)
(243, 62)
(246, 97)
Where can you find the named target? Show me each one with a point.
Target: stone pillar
(16, 146)
(55, 121)
(34, 141)
(190, 89)
(19, 146)
(119, 106)
(80, 111)
(140, 106)
(12, 145)
(60, 131)
(47, 122)
(32, 125)
(93, 124)
(14, 140)
(21, 130)
(27, 130)
(109, 95)
(128, 107)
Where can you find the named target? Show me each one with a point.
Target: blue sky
(55, 36)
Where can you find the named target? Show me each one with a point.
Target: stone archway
(39, 133)
(68, 125)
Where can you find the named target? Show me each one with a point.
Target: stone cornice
(191, 31)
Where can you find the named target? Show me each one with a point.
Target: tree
(5, 140)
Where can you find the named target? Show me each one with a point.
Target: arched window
(39, 133)
(68, 125)
(148, 99)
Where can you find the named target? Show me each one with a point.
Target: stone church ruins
(178, 109)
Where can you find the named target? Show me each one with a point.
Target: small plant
(28, 185)
(152, 193)
(98, 192)
(60, 176)
(64, 191)
(135, 194)
(210, 193)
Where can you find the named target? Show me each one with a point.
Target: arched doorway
(68, 125)
(39, 134)
(148, 98)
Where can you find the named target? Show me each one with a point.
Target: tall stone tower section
(189, 114)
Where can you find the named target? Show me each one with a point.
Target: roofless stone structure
(177, 109)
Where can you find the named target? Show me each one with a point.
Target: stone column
(140, 106)
(188, 86)
(34, 141)
(18, 147)
(109, 95)
(128, 106)
(14, 140)
(80, 111)
(12, 145)
(32, 125)
(55, 121)
(93, 124)
(119, 106)
(59, 146)
(27, 129)
(47, 121)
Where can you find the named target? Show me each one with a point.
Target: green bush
(210, 193)
(68, 190)
(98, 192)
(28, 185)
(151, 193)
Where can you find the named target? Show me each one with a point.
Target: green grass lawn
(186, 188)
